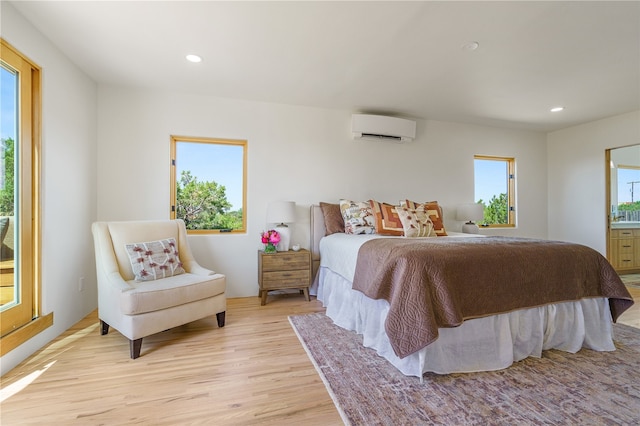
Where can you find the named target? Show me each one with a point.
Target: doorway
(623, 208)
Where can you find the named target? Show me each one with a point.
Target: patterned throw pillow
(435, 214)
(154, 259)
(358, 217)
(416, 222)
(333, 221)
(386, 218)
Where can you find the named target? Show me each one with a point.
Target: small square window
(208, 184)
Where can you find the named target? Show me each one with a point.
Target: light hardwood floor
(252, 371)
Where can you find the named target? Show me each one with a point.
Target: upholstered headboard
(317, 231)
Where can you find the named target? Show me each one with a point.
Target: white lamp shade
(471, 212)
(281, 212)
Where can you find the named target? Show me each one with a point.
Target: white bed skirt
(482, 344)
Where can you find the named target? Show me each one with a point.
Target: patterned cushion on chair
(154, 259)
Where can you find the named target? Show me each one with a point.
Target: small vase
(270, 248)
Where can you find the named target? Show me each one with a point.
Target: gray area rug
(586, 388)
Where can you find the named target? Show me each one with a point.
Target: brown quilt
(440, 282)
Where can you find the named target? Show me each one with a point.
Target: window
(19, 200)
(495, 189)
(627, 195)
(208, 184)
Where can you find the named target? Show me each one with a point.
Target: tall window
(495, 189)
(208, 178)
(19, 200)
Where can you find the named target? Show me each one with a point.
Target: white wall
(576, 179)
(300, 154)
(69, 128)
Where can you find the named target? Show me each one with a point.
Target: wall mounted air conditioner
(381, 127)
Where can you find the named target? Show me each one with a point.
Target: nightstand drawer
(285, 278)
(289, 261)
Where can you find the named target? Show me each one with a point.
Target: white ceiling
(399, 58)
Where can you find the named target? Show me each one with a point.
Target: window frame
(174, 140)
(511, 189)
(28, 268)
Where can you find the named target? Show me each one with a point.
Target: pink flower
(270, 236)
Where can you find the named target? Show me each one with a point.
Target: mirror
(624, 205)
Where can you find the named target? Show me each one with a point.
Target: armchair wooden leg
(134, 347)
(104, 328)
(220, 316)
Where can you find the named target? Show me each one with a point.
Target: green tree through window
(7, 196)
(204, 205)
(496, 211)
(208, 177)
(495, 189)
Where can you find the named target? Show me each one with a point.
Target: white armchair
(141, 308)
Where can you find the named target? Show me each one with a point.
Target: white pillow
(154, 259)
(416, 222)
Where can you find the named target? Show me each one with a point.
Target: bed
(470, 340)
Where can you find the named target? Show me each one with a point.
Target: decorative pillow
(358, 217)
(333, 221)
(435, 214)
(154, 259)
(386, 218)
(416, 222)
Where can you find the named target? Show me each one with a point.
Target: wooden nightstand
(284, 269)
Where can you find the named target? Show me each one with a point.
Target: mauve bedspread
(440, 282)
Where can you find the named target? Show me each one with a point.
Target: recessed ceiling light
(194, 58)
(557, 109)
(472, 45)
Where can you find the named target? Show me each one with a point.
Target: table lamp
(470, 212)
